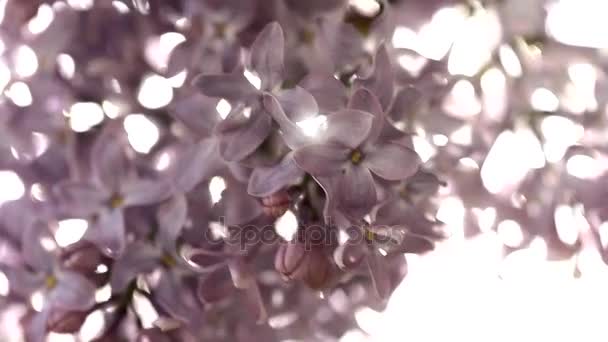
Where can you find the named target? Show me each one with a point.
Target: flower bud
(64, 321)
(294, 261)
(276, 204)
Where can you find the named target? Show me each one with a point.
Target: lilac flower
(353, 149)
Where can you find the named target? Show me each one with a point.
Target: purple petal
(145, 191)
(237, 144)
(197, 112)
(365, 101)
(357, 191)
(36, 329)
(178, 300)
(255, 303)
(108, 158)
(239, 207)
(109, 233)
(379, 274)
(392, 161)
(171, 218)
(407, 103)
(141, 258)
(232, 87)
(380, 82)
(321, 159)
(196, 163)
(349, 127)
(399, 212)
(291, 133)
(33, 252)
(329, 92)
(22, 282)
(265, 181)
(297, 103)
(79, 199)
(266, 55)
(73, 292)
(216, 286)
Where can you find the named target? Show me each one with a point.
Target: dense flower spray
(256, 170)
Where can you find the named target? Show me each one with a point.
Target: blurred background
(511, 114)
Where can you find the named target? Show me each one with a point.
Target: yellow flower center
(168, 260)
(116, 201)
(356, 156)
(50, 281)
(369, 235)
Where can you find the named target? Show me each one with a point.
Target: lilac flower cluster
(277, 178)
(256, 170)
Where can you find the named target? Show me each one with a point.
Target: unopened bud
(276, 204)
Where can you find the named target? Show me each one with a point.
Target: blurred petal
(80, 199)
(197, 112)
(108, 158)
(73, 292)
(266, 55)
(406, 105)
(232, 87)
(146, 191)
(349, 127)
(265, 181)
(365, 101)
(297, 103)
(321, 159)
(379, 274)
(329, 92)
(140, 258)
(34, 253)
(176, 299)
(380, 82)
(109, 233)
(216, 286)
(392, 161)
(357, 191)
(239, 207)
(196, 163)
(171, 217)
(291, 133)
(237, 144)
(36, 329)
(22, 282)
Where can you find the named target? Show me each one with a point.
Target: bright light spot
(37, 300)
(463, 135)
(413, 64)
(424, 149)
(163, 161)
(559, 133)
(580, 95)
(451, 212)
(121, 7)
(25, 61)
(312, 126)
(566, 224)
(93, 326)
(66, 65)
(354, 336)
(440, 140)
(468, 163)
(2, 9)
(70, 231)
(142, 133)
(11, 185)
(20, 94)
(475, 42)
(510, 61)
(145, 310)
(494, 85)
(218, 230)
(510, 233)
(247, 112)
(43, 19)
(368, 8)
(158, 49)
(217, 185)
(85, 115)
(544, 100)
(505, 165)
(112, 110)
(48, 243)
(179, 79)
(103, 294)
(578, 22)
(485, 218)
(253, 79)
(80, 5)
(223, 108)
(368, 320)
(287, 225)
(283, 320)
(603, 231)
(155, 92)
(462, 101)
(404, 38)
(4, 285)
(583, 167)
